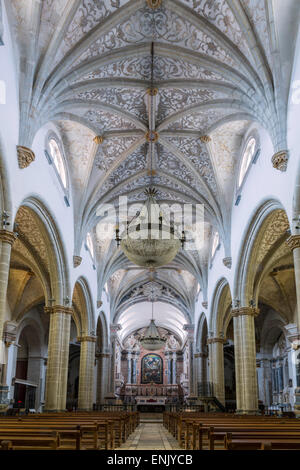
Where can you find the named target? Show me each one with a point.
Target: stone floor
(150, 435)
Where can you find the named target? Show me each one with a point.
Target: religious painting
(152, 369)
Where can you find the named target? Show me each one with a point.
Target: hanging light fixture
(149, 239)
(152, 341)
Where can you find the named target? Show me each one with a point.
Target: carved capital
(102, 355)
(77, 261)
(293, 242)
(25, 156)
(227, 262)
(205, 304)
(280, 160)
(154, 4)
(216, 340)
(205, 139)
(99, 303)
(91, 339)
(98, 139)
(238, 312)
(58, 309)
(7, 237)
(201, 355)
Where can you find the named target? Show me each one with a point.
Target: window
(58, 161)
(89, 244)
(246, 159)
(215, 244)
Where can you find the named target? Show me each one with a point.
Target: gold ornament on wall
(25, 156)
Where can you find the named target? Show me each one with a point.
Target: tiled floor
(150, 436)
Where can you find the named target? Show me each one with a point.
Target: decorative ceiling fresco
(86, 66)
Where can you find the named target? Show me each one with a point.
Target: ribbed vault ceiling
(85, 65)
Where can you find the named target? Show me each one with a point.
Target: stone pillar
(86, 372)
(134, 371)
(201, 373)
(245, 359)
(103, 365)
(174, 368)
(264, 381)
(168, 359)
(216, 360)
(7, 239)
(58, 357)
(112, 367)
(129, 369)
(293, 243)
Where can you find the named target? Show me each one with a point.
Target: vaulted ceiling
(85, 65)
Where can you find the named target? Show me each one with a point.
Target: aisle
(150, 436)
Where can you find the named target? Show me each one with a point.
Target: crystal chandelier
(150, 241)
(151, 340)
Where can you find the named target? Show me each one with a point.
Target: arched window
(89, 244)
(246, 160)
(215, 244)
(58, 161)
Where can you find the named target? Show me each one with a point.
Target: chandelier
(151, 340)
(149, 240)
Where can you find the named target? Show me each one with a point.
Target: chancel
(150, 225)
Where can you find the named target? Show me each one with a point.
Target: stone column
(293, 243)
(86, 372)
(245, 359)
(174, 368)
(103, 365)
(167, 356)
(264, 379)
(134, 368)
(7, 239)
(112, 367)
(216, 360)
(129, 373)
(200, 359)
(58, 357)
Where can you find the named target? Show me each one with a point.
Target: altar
(152, 403)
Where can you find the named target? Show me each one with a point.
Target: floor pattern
(150, 436)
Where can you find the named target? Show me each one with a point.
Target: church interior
(150, 224)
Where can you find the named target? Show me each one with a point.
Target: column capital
(293, 242)
(201, 355)
(100, 355)
(280, 160)
(251, 311)
(58, 309)
(91, 339)
(7, 236)
(227, 262)
(25, 156)
(216, 340)
(77, 261)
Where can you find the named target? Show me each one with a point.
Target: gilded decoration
(293, 242)
(280, 160)
(7, 237)
(25, 156)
